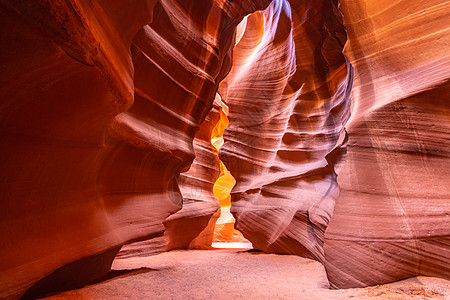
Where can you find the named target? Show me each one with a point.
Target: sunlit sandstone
(101, 102)
(105, 108)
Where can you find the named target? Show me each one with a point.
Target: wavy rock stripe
(288, 94)
(206, 236)
(98, 116)
(397, 49)
(199, 202)
(392, 218)
(62, 86)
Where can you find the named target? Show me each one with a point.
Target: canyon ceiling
(338, 134)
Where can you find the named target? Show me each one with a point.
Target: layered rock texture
(107, 114)
(392, 218)
(100, 105)
(289, 101)
(200, 208)
(289, 98)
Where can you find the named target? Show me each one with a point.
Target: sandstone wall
(100, 105)
(289, 98)
(104, 105)
(391, 219)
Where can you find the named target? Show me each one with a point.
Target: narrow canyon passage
(217, 149)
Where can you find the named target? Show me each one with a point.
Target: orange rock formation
(100, 105)
(107, 117)
(289, 98)
(392, 218)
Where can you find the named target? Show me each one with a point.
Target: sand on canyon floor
(237, 274)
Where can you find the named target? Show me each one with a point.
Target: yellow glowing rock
(224, 231)
(223, 186)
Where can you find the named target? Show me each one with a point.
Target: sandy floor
(234, 274)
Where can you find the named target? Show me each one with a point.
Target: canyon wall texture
(392, 218)
(200, 208)
(100, 105)
(289, 98)
(108, 111)
(392, 215)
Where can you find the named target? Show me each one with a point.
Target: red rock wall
(101, 103)
(397, 49)
(288, 94)
(98, 115)
(200, 207)
(61, 88)
(391, 219)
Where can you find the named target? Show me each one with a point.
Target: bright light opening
(225, 235)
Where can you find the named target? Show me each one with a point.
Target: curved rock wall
(61, 87)
(392, 219)
(101, 110)
(397, 49)
(288, 94)
(98, 115)
(200, 205)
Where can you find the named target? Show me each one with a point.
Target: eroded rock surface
(199, 201)
(104, 106)
(98, 116)
(392, 219)
(288, 94)
(397, 50)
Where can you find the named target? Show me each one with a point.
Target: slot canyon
(225, 149)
